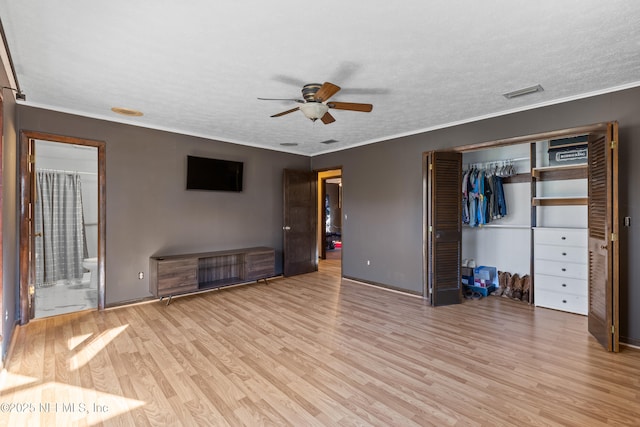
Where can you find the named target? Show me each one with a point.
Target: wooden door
(27, 235)
(300, 251)
(445, 228)
(603, 238)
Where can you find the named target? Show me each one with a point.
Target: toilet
(91, 264)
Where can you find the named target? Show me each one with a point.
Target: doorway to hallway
(330, 218)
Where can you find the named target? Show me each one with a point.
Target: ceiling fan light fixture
(314, 110)
(524, 91)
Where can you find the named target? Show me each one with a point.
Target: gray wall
(9, 217)
(383, 196)
(149, 212)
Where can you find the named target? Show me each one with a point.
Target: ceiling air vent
(329, 141)
(522, 92)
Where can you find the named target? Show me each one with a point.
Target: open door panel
(300, 218)
(603, 238)
(445, 228)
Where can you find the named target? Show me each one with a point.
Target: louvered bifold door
(445, 228)
(603, 238)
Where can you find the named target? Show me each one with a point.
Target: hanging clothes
(501, 203)
(483, 199)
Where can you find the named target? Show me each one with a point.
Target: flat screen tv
(213, 174)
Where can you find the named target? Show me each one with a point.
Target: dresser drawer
(562, 285)
(558, 301)
(562, 269)
(561, 236)
(560, 253)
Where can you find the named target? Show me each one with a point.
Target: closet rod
(65, 171)
(493, 162)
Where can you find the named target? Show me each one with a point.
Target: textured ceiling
(197, 67)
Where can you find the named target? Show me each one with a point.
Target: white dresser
(561, 271)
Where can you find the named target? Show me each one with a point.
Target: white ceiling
(196, 67)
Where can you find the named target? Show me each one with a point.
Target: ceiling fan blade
(327, 118)
(282, 99)
(286, 112)
(352, 106)
(326, 91)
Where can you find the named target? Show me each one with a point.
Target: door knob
(603, 246)
(286, 227)
(37, 235)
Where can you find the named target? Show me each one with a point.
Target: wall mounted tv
(213, 174)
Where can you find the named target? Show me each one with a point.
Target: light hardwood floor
(315, 350)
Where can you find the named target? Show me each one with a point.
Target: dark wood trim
(543, 136)
(26, 185)
(25, 198)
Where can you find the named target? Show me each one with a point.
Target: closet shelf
(560, 201)
(518, 178)
(549, 173)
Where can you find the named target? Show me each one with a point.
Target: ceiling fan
(315, 104)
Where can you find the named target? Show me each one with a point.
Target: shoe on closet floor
(511, 279)
(517, 288)
(526, 287)
(501, 284)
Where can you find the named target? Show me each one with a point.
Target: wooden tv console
(187, 273)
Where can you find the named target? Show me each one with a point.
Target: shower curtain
(60, 244)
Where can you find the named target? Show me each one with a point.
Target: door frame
(323, 176)
(27, 185)
(603, 128)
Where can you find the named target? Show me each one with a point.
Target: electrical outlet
(141, 275)
(627, 221)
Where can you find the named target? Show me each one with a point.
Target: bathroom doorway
(62, 245)
(66, 228)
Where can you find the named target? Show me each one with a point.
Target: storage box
(568, 155)
(485, 276)
(482, 291)
(568, 151)
(467, 275)
(569, 142)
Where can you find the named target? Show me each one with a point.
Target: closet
(561, 227)
(502, 241)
